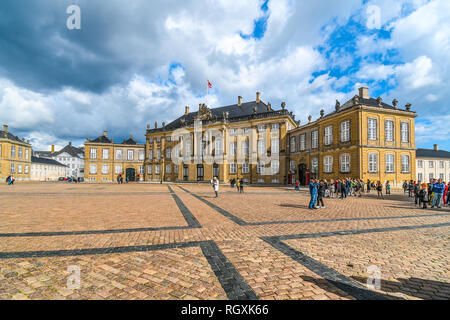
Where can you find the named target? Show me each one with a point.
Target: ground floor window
(233, 168)
(245, 168)
(149, 169)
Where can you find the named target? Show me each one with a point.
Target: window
(233, 149)
(345, 131)
(158, 153)
(187, 152)
(105, 154)
(158, 139)
(26, 169)
(431, 176)
(157, 169)
(314, 165)
(168, 153)
(260, 168)
(275, 127)
(372, 129)
(441, 176)
(13, 168)
(175, 169)
(19, 169)
(233, 131)
(389, 130)
(118, 169)
(149, 169)
(275, 146)
(303, 142)
(93, 153)
(292, 166)
(261, 147)
(345, 163)
(141, 155)
(389, 163)
(420, 177)
(150, 154)
(168, 168)
(245, 168)
(405, 163)
(431, 164)
(13, 151)
(168, 139)
(105, 169)
(130, 154)
(93, 169)
(275, 166)
(233, 168)
(328, 164)
(245, 148)
(419, 163)
(26, 153)
(441, 164)
(218, 146)
(292, 146)
(262, 128)
(20, 153)
(246, 130)
(150, 140)
(404, 128)
(328, 136)
(315, 139)
(373, 162)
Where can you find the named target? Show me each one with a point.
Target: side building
(432, 164)
(105, 160)
(244, 140)
(364, 138)
(15, 156)
(44, 169)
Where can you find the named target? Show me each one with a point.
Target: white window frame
(275, 146)
(245, 148)
(390, 165)
(303, 142)
(373, 162)
(245, 168)
(105, 154)
(93, 153)
(118, 169)
(372, 129)
(406, 165)
(262, 149)
(292, 144)
(328, 164)
(389, 131)
(404, 131)
(128, 154)
(260, 168)
(105, 169)
(168, 168)
(233, 168)
(275, 167)
(328, 136)
(119, 154)
(315, 139)
(345, 131)
(93, 169)
(141, 155)
(149, 169)
(314, 165)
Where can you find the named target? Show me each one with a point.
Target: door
(185, 173)
(302, 174)
(216, 171)
(131, 174)
(200, 172)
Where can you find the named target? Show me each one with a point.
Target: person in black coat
(320, 194)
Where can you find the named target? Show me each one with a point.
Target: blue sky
(129, 66)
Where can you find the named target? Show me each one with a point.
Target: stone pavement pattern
(153, 241)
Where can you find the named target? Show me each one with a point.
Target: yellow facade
(168, 158)
(392, 155)
(106, 160)
(15, 157)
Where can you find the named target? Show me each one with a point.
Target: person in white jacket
(216, 186)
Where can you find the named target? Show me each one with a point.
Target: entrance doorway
(200, 172)
(131, 174)
(216, 170)
(302, 174)
(185, 173)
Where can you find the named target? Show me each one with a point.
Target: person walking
(430, 191)
(332, 189)
(238, 185)
(215, 184)
(388, 187)
(241, 186)
(379, 188)
(438, 189)
(423, 196)
(448, 194)
(313, 193)
(320, 193)
(417, 188)
(369, 186)
(410, 189)
(444, 196)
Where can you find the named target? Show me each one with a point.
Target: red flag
(209, 84)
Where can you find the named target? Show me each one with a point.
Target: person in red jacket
(445, 194)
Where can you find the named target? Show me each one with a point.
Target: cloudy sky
(136, 62)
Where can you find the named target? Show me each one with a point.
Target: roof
(46, 161)
(246, 111)
(130, 141)
(102, 139)
(431, 153)
(10, 136)
(70, 149)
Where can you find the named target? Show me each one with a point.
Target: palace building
(245, 140)
(432, 164)
(15, 156)
(104, 159)
(364, 138)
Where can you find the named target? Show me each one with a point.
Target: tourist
(297, 186)
(438, 189)
(417, 188)
(423, 195)
(241, 186)
(405, 187)
(448, 193)
(410, 188)
(320, 193)
(237, 185)
(369, 186)
(216, 186)
(444, 197)
(388, 188)
(313, 193)
(379, 188)
(332, 189)
(430, 191)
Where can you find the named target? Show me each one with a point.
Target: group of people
(238, 183)
(436, 193)
(341, 189)
(10, 180)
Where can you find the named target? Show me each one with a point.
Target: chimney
(53, 148)
(5, 128)
(436, 147)
(364, 93)
(156, 125)
(186, 110)
(70, 143)
(258, 97)
(239, 101)
(105, 133)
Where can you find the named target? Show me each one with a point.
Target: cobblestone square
(158, 241)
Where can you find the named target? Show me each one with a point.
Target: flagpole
(207, 90)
